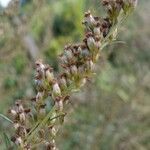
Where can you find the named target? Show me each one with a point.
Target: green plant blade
(6, 118)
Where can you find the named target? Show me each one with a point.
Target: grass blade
(6, 118)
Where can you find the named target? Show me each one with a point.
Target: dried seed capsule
(89, 65)
(39, 84)
(106, 25)
(67, 72)
(79, 49)
(13, 112)
(19, 107)
(53, 131)
(68, 53)
(27, 147)
(39, 64)
(16, 125)
(90, 41)
(96, 30)
(81, 70)
(89, 20)
(61, 105)
(17, 140)
(74, 69)
(40, 67)
(63, 82)
(83, 81)
(97, 42)
(75, 49)
(85, 52)
(39, 96)
(22, 117)
(56, 90)
(105, 2)
(49, 74)
(50, 146)
(63, 59)
(21, 131)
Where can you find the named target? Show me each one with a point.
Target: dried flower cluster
(37, 127)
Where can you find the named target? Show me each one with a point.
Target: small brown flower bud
(13, 112)
(16, 125)
(13, 139)
(17, 140)
(89, 20)
(68, 53)
(39, 85)
(22, 117)
(105, 2)
(39, 64)
(39, 96)
(97, 29)
(63, 59)
(66, 99)
(73, 70)
(53, 131)
(49, 74)
(85, 52)
(20, 108)
(90, 65)
(63, 82)
(21, 131)
(59, 103)
(97, 42)
(50, 146)
(83, 81)
(81, 70)
(90, 42)
(67, 71)
(56, 89)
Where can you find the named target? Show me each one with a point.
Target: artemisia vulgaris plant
(36, 127)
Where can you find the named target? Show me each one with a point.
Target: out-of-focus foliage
(113, 111)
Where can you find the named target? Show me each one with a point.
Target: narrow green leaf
(6, 118)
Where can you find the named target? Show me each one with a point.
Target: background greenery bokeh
(113, 111)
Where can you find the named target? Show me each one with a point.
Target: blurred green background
(110, 113)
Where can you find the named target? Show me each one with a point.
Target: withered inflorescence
(37, 127)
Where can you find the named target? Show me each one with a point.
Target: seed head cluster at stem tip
(35, 127)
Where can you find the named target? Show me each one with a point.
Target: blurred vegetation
(112, 112)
